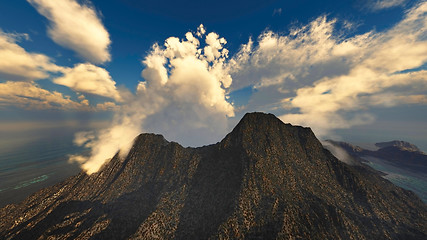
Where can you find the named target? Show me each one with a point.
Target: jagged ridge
(264, 180)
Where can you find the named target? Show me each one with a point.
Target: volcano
(264, 180)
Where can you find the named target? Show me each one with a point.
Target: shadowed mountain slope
(264, 180)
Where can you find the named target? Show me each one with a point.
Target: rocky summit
(264, 180)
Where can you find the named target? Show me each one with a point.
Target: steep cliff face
(264, 180)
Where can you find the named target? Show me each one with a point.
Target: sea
(32, 160)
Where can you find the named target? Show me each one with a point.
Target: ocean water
(414, 181)
(32, 160)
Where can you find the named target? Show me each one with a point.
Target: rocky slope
(264, 180)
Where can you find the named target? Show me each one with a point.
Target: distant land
(401, 162)
(264, 180)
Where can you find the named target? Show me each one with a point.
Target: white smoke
(183, 97)
(313, 76)
(339, 153)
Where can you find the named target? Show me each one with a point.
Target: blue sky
(353, 70)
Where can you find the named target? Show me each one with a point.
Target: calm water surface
(32, 160)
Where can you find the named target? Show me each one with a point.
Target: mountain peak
(264, 180)
(262, 130)
(254, 117)
(259, 119)
(150, 137)
(399, 144)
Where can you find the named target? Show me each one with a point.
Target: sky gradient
(351, 70)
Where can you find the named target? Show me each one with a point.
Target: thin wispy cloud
(77, 27)
(28, 95)
(384, 4)
(29, 125)
(277, 12)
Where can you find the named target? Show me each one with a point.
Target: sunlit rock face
(264, 180)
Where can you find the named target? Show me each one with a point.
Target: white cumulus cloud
(88, 78)
(16, 64)
(315, 76)
(375, 72)
(183, 97)
(77, 27)
(327, 81)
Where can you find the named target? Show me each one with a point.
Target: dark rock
(264, 180)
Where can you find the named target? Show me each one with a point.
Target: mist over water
(31, 160)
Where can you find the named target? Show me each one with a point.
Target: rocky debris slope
(264, 180)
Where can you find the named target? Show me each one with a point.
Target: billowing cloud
(377, 72)
(16, 64)
(328, 81)
(315, 76)
(384, 4)
(77, 27)
(291, 58)
(183, 97)
(88, 78)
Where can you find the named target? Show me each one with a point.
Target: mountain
(402, 145)
(264, 180)
(399, 153)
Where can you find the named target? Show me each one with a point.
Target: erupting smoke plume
(183, 97)
(313, 76)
